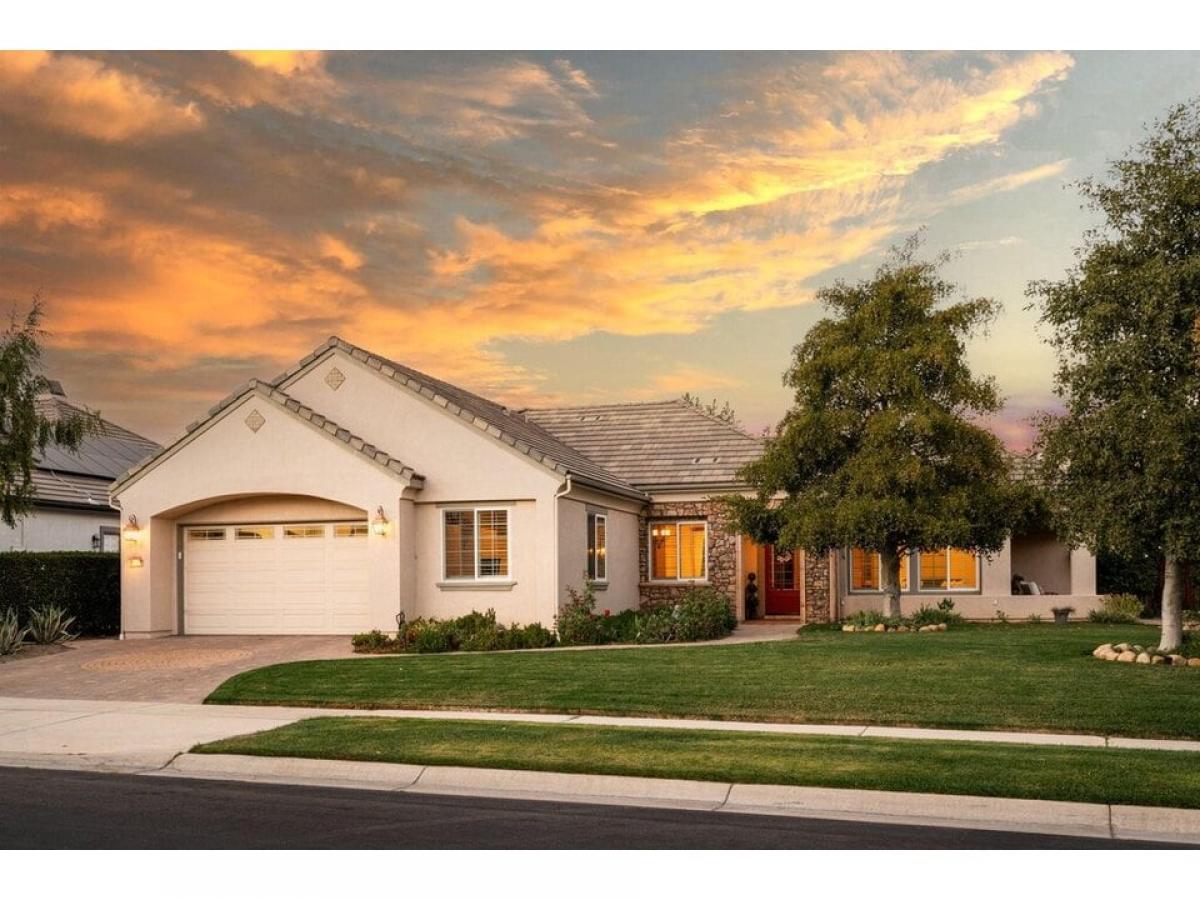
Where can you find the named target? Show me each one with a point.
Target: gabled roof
(500, 422)
(66, 489)
(293, 406)
(665, 444)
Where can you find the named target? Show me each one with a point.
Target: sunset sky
(543, 228)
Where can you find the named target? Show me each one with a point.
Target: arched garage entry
(273, 564)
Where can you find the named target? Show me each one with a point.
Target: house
(351, 489)
(71, 509)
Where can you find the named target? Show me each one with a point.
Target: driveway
(165, 670)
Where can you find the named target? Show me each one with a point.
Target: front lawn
(1090, 775)
(1030, 677)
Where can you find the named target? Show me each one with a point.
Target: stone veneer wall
(817, 584)
(722, 550)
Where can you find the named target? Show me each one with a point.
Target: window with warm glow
(678, 551)
(475, 544)
(866, 571)
(949, 570)
(597, 547)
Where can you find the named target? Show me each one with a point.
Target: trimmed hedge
(86, 584)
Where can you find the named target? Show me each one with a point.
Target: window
(678, 551)
(475, 544)
(206, 534)
(304, 531)
(350, 530)
(950, 570)
(866, 571)
(257, 533)
(597, 547)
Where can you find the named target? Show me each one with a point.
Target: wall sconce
(132, 531)
(380, 523)
(135, 562)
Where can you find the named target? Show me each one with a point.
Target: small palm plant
(50, 625)
(12, 635)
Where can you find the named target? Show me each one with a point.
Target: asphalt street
(42, 808)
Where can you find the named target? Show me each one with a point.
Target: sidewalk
(118, 735)
(153, 739)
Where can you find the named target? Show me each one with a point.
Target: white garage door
(275, 579)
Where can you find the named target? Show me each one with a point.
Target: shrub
(86, 585)
(50, 625)
(703, 614)
(1117, 609)
(619, 629)
(946, 605)
(475, 631)
(374, 641)
(12, 635)
(577, 621)
(1034, 619)
(527, 637)
(939, 615)
(656, 625)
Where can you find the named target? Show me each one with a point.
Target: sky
(542, 228)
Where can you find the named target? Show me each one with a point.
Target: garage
(276, 578)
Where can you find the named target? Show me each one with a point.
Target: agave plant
(49, 625)
(12, 635)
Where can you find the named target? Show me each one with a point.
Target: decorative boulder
(1126, 656)
(1111, 655)
(881, 627)
(1194, 661)
(1176, 660)
(942, 627)
(1121, 648)
(1102, 651)
(902, 628)
(1143, 658)
(1158, 660)
(847, 628)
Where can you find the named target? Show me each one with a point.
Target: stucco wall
(228, 461)
(621, 590)
(1041, 558)
(276, 508)
(54, 529)
(978, 606)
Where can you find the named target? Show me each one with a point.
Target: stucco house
(71, 509)
(351, 488)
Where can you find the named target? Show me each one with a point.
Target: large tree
(25, 429)
(1123, 460)
(879, 450)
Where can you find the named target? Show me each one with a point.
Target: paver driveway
(172, 669)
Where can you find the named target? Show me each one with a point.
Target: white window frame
(907, 560)
(952, 590)
(591, 524)
(475, 511)
(650, 551)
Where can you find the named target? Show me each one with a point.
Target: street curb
(895, 807)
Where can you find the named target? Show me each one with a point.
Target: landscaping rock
(847, 628)
(881, 627)
(1126, 656)
(903, 628)
(1143, 658)
(1121, 647)
(1194, 661)
(1102, 651)
(1176, 660)
(942, 627)
(1158, 660)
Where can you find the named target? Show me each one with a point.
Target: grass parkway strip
(1125, 777)
(1006, 677)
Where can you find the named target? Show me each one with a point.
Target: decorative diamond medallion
(334, 378)
(255, 420)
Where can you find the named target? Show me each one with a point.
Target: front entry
(783, 582)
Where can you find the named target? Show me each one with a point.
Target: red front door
(783, 582)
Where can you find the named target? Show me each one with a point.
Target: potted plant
(1062, 614)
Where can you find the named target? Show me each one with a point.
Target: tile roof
(282, 400)
(663, 444)
(68, 489)
(104, 455)
(500, 422)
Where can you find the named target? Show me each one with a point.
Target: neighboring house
(71, 509)
(351, 489)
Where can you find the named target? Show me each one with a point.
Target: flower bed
(1136, 653)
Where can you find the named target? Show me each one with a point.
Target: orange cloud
(283, 62)
(82, 95)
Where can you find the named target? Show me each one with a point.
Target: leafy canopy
(1123, 460)
(878, 450)
(25, 431)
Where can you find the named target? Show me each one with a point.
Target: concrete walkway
(153, 739)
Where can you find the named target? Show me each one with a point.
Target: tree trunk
(1172, 605)
(890, 578)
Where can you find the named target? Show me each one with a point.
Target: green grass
(1091, 775)
(1029, 677)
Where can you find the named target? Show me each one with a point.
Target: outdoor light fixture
(380, 523)
(132, 530)
(135, 562)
